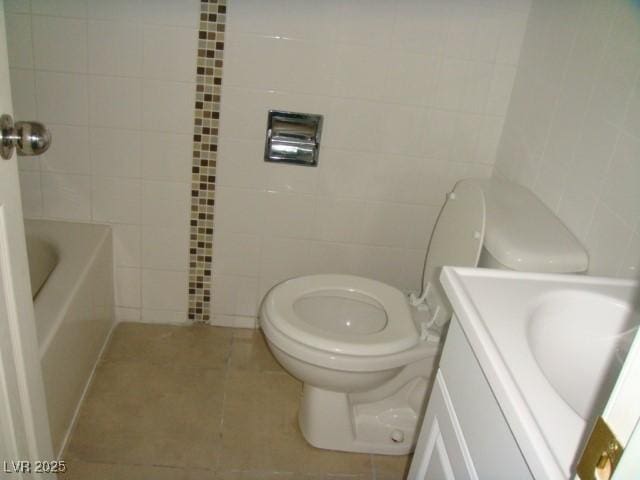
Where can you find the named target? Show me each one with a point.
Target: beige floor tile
(260, 430)
(248, 475)
(391, 467)
(195, 346)
(199, 474)
(250, 352)
(256, 476)
(145, 414)
(346, 476)
(155, 410)
(367, 476)
(78, 470)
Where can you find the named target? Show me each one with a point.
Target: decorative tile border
(205, 148)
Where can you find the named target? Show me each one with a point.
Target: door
(620, 427)
(622, 413)
(24, 426)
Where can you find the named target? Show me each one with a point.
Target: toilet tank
(522, 234)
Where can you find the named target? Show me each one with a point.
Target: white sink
(551, 347)
(594, 332)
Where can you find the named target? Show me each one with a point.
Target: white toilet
(367, 353)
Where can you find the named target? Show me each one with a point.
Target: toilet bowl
(341, 332)
(366, 352)
(347, 337)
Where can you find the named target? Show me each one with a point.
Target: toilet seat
(372, 337)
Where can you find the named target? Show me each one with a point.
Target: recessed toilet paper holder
(293, 138)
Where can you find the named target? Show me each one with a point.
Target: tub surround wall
(572, 132)
(413, 96)
(115, 82)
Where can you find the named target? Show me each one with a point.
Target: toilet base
(339, 421)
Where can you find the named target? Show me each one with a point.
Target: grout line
(154, 465)
(133, 20)
(374, 473)
(225, 382)
(141, 188)
(554, 115)
(116, 129)
(605, 171)
(111, 75)
(66, 441)
(369, 100)
(35, 103)
(388, 48)
(623, 267)
(91, 152)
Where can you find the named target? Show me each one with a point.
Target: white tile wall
(61, 97)
(164, 290)
(119, 56)
(64, 196)
(115, 82)
(19, 40)
(164, 247)
(59, 44)
(166, 156)
(69, 153)
(31, 194)
(414, 96)
(114, 102)
(116, 152)
(572, 131)
(168, 106)
(163, 49)
(23, 85)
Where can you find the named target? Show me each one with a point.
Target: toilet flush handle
(397, 436)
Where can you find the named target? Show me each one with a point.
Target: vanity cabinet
(464, 434)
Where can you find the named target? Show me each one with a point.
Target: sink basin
(594, 331)
(551, 348)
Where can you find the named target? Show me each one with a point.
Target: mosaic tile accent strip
(205, 148)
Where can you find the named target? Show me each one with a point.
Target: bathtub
(71, 267)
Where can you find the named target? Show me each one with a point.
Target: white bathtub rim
(65, 304)
(46, 299)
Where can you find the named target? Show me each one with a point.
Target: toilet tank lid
(523, 234)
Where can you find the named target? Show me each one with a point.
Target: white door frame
(24, 424)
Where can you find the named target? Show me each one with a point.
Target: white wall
(414, 95)
(572, 132)
(114, 81)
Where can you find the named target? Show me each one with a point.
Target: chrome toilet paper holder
(293, 137)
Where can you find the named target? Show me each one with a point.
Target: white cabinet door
(464, 434)
(441, 452)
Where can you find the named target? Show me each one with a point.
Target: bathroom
(158, 114)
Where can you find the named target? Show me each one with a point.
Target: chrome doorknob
(30, 138)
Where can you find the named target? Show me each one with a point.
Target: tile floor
(200, 403)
